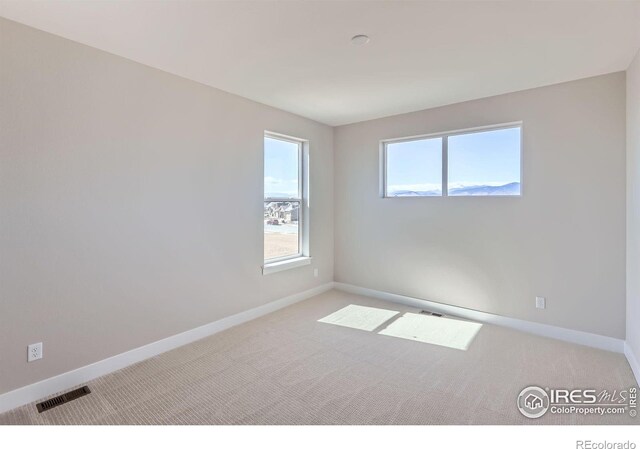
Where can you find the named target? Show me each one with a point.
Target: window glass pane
(485, 163)
(414, 168)
(281, 229)
(281, 167)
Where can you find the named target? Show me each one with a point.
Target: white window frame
(445, 158)
(302, 258)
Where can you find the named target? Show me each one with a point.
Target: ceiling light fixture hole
(360, 39)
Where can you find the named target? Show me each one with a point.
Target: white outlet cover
(315, 272)
(541, 302)
(34, 352)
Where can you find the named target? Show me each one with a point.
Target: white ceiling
(297, 55)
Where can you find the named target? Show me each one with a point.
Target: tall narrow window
(283, 198)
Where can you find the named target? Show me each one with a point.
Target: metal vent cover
(427, 312)
(62, 399)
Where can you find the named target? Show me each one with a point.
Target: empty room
(321, 213)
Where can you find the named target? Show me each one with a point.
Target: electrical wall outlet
(315, 272)
(34, 352)
(541, 303)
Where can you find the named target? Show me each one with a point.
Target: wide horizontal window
(465, 163)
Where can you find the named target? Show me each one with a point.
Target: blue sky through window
(485, 159)
(414, 167)
(280, 168)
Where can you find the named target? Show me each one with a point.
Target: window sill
(274, 267)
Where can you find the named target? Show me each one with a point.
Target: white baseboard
(545, 330)
(633, 361)
(33, 392)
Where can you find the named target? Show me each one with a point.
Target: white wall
(564, 239)
(633, 207)
(131, 204)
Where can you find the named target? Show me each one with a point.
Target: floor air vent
(62, 399)
(426, 312)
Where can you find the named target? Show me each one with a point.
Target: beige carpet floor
(288, 368)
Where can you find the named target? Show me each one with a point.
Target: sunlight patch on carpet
(359, 317)
(452, 333)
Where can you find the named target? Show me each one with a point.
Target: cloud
(414, 187)
(280, 187)
(426, 187)
(456, 185)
